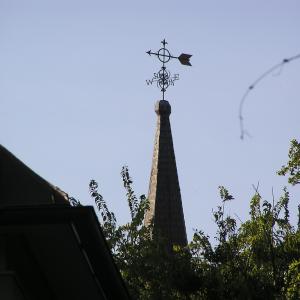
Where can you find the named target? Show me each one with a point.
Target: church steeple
(164, 191)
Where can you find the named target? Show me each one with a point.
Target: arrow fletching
(185, 59)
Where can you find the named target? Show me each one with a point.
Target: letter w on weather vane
(163, 77)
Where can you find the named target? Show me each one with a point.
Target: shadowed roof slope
(19, 185)
(48, 249)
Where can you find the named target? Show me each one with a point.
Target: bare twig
(273, 199)
(239, 218)
(279, 66)
(256, 188)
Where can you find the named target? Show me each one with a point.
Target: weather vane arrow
(163, 78)
(185, 59)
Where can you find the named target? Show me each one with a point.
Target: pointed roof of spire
(164, 192)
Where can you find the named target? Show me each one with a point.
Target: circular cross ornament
(164, 55)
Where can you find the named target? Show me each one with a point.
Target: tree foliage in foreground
(258, 259)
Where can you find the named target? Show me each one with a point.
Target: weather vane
(163, 77)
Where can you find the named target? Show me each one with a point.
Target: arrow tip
(185, 59)
(149, 52)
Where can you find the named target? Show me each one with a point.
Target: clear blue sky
(75, 105)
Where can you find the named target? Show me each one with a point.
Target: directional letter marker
(163, 78)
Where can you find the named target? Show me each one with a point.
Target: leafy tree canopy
(259, 259)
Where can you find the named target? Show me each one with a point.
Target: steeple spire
(164, 191)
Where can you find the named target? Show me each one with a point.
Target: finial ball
(163, 107)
